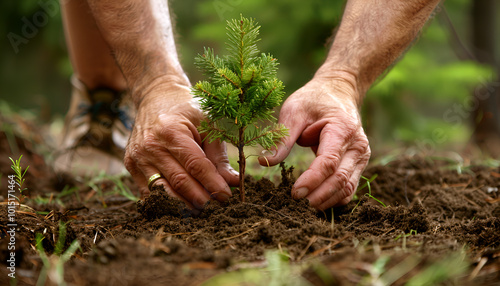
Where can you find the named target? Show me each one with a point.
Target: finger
(143, 171)
(295, 125)
(336, 185)
(330, 151)
(148, 170)
(217, 154)
(181, 182)
(340, 185)
(352, 186)
(195, 162)
(138, 176)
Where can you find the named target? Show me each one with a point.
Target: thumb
(277, 155)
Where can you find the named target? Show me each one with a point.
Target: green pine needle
(18, 171)
(241, 90)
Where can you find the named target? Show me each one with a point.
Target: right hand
(165, 140)
(324, 115)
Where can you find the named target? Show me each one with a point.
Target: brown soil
(433, 214)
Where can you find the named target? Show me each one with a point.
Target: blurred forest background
(442, 93)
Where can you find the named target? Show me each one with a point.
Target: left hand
(324, 115)
(165, 141)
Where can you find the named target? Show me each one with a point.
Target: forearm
(371, 36)
(139, 33)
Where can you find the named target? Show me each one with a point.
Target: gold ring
(153, 179)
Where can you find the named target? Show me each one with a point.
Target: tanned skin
(371, 36)
(322, 115)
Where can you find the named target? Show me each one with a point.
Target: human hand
(165, 141)
(324, 115)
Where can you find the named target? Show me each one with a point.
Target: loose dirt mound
(243, 230)
(433, 214)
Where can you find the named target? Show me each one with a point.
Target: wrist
(344, 80)
(173, 87)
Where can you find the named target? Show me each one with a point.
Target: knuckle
(343, 193)
(340, 190)
(131, 158)
(368, 152)
(150, 144)
(329, 164)
(197, 167)
(129, 163)
(168, 131)
(131, 149)
(341, 177)
(179, 181)
(153, 149)
(350, 187)
(361, 138)
(362, 147)
(363, 141)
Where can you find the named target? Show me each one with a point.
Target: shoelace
(120, 113)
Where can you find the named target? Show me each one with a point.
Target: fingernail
(221, 197)
(233, 172)
(301, 193)
(200, 203)
(268, 153)
(194, 212)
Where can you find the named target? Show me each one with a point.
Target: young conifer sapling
(240, 93)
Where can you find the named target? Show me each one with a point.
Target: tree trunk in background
(486, 117)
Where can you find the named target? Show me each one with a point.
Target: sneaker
(96, 130)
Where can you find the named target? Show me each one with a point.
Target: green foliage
(36, 77)
(406, 106)
(53, 266)
(56, 198)
(18, 170)
(427, 96)
(369, 194)
(299, 31)
(241, 90)
(278, 272)
(119, 188)
(412, 232)
(451, 268)
(122, 189)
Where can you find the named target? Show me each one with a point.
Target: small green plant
(404, 236)
(53, 265)
(123, 189)
(119, 188)
(56, 198)
(451, 268)
(19, 174)
(278, 271)
(369, 194)
(412, 232)
(240, 93)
